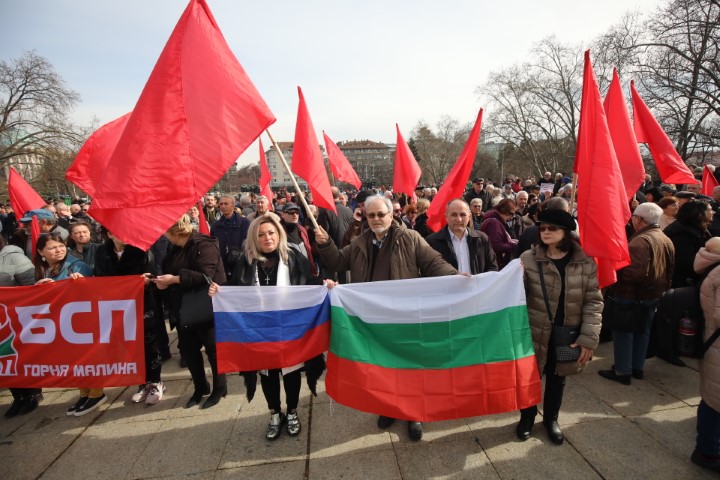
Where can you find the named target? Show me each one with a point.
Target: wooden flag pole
(292, 179)
(572, 192)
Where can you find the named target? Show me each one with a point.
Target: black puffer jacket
(298, 265)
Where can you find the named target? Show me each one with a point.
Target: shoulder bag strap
(709, 342)
(544, 290)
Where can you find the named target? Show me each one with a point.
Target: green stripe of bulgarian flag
(499, 336)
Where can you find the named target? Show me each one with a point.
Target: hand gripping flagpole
(292, 179)
(572, 193)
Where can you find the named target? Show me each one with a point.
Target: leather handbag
(196, 307)
(562, 337)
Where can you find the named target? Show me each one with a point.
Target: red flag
(307, 159)
(265, 176)
(34, 235)
(202, 224)
(456, 181)
(93, 157)
(197, 113)
(340, 165)
(671, 167)
(623, 138)
(22, 196)
(602, 207)
(407, 172)
(709, 182)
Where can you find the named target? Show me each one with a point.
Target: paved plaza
(612, 431)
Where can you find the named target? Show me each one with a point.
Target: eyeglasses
(549, 228)
(378, 215)
(292, 212)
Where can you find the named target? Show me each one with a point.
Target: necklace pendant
(267, 279)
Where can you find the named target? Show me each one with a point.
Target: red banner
(84, 333)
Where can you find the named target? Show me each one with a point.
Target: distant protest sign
(86, 332)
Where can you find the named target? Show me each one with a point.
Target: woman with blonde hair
(421, 219)
(192, 259)
(269, 260)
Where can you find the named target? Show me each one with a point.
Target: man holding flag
(386, 251)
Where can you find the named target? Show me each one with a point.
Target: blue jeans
(708, 430)
(631, 347)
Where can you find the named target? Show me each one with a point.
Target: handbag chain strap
(544, 290)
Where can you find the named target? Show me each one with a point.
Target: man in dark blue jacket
(231, 231)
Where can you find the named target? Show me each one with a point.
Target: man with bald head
(464, 248)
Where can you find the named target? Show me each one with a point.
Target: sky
(363, 65)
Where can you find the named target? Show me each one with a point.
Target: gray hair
(377, 198)
(521, 193)
(245, 200)
(475, 201)
(648, 212)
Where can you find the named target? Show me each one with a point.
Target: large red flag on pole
(623, 138)
(197, 113)
(203, 226)
(602, 207)
(456, 181)
(93, 157)
(709, 182)
(307, 159)
(340, 165)
(670, 166)
(265, 175)
(407, 171)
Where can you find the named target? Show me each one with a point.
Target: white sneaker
(141, 394)
(155, 393)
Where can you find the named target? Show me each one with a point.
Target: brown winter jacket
(583, 302)
(710, 302)
(650, 250)
(412, 257)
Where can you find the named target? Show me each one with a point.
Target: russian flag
(263, 328)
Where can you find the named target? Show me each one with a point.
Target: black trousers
(191, 340)
(554, 388)
(271, 389)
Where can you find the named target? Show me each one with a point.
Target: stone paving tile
(28, 456)
(123, 410)
(344, 430)
(184, 446)
(671, 428)
(535, 458)
(457, 459)
(247, 444)
(680, 382)
(380, 465)
(104, 451)
(50, 409)
(444, 431)
(279, 470)
(580, 405)
(619, 449)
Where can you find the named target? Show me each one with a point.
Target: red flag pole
(292, 178)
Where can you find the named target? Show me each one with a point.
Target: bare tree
(35, 107)
(679, 72)
(438, 150)
(535, 105)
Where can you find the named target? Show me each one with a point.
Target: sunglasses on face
(549, 228)
(378, 215)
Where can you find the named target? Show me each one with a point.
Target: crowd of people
(376, 235)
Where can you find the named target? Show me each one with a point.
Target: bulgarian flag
(433, 348)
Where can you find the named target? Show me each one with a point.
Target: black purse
(196, 307)
(624, 317)
(562, 337)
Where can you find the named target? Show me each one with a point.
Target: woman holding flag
(269, 260)
(52, 263)
(565, 312)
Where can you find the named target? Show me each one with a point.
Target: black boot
(215, 396)
(525, 425)
(554, 388)
(219, 383)
(198, 394)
